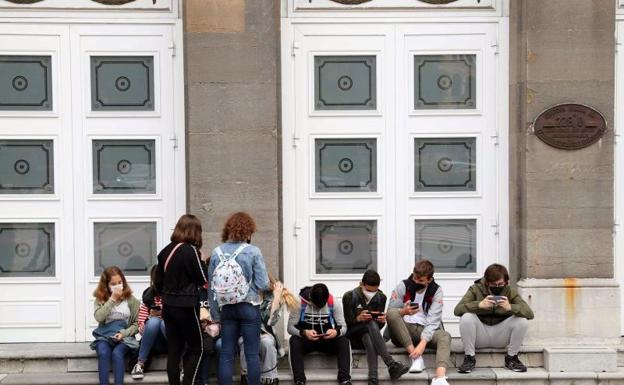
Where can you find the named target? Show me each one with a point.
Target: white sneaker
(439, 381)
(418, 365)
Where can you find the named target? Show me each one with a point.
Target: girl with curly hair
(240, 316)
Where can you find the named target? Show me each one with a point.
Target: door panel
(122, 131)
(36, 227)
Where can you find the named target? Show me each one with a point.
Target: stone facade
(562, 201)
(232, 83)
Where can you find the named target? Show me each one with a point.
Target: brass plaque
(570, 126)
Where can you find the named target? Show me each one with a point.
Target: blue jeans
(241, 319)
(105, 353)
(154, 336)
(204, 365)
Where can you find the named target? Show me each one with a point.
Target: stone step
(78, 357)
(535, 376)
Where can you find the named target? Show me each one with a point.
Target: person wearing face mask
(415, 320)
(493, 315)
(116, 312)
(364, 309)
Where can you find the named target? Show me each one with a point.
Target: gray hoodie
(316, 318)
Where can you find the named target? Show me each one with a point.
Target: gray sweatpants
(268, 357)
(477, 335)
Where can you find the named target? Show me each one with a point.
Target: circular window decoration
(24, 1)
(351, 2)
(113, 2)
(438, 1)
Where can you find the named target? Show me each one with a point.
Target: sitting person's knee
(469, 317)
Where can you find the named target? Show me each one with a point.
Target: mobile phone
(375, 314)
(498, 298)
(415, 305)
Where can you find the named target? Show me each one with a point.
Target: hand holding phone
(414, 305)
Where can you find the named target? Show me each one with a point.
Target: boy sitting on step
(364, 309)
(415, 320)
(319, 326)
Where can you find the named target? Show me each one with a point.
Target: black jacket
(353, 302)
(185, 274)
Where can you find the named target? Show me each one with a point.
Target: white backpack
(228, 281)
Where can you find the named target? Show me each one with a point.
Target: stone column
(563, 51)
(232, 75)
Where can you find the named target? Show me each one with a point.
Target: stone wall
(232, 110)
(561, 201)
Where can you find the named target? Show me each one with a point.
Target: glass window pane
(129, 245)
(124, 167)
(346, 247)
(122, 83)
(27, 250)
(450, 244)
(346, 165)
(445, 164)
(25, 83)
(345, 83)
(444, 82)
(26, 167)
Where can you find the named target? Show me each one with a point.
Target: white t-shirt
(119, 312)
(420, 317)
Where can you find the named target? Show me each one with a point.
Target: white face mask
(368, 294)
(112, 288)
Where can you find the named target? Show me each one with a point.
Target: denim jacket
(254, 269)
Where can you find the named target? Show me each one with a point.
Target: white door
(343, 144)
(446, 146)
(91, 173)
(392, 132)
(122, 124)
(36, 226)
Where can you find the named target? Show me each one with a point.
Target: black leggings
(183, 331)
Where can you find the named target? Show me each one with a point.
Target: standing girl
(237, 261)
(179, 276)
(116, 311)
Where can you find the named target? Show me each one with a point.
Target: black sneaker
(468, 365)
(514, 363)
(397, 369)
(348, 382)
(299, 382)
(373, 381)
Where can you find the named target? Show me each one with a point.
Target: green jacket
(102, 310)
(477, 292)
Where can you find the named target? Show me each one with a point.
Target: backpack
(228, 281)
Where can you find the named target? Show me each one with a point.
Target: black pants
(183, 331)
(368, 336)
(300, 346)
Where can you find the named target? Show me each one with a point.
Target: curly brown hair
(238, 228)
(102, 294)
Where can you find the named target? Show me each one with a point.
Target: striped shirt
(144, 312)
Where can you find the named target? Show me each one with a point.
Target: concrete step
(328, 377)
(78, 357)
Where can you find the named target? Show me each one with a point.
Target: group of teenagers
(229, 304)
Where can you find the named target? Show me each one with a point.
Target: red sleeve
(143, 314)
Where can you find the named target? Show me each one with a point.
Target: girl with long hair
(273, 302)
(116, 312)
(179, 276)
